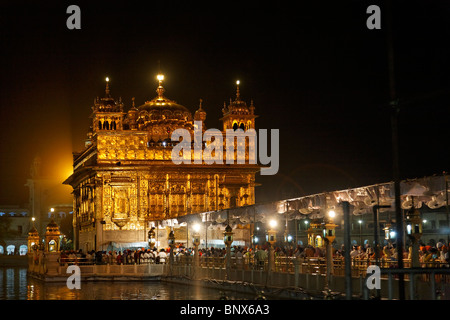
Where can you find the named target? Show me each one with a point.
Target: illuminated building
(125, 178)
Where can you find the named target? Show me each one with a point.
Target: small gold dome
(33, 232)
(161, 115)
(52, 228)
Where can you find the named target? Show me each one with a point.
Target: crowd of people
(143, 255)
(259, 254)
(428, 255)
(126, 256)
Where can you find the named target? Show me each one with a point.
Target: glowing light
(33, 219)
(107, 79)
(392, 234)
(52, 209)
(359, 221)
(408, 229)
(272, 223)
(306, 221)
(196, 227)
(238, 82)
(424, 220)
(331, 213)
(160, 77)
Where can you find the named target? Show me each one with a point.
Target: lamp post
(414, 232)
(360, 232)
(387, 232)
(171, 241)
(151, 238)
(196, 243)
(329, 233)
(271, 239)
(306, 222)
(33, 238)
(375, 210)
(228, 240)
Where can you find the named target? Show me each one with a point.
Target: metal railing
(430, 280)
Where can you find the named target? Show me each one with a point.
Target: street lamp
(228, 236)
(171, 242)
(151, 238)
(272, 238)
(360, 232)
(228, 240)
(272, 233)
(414, 225)
(414, 232)
(329, 233)
(387, 232)
(196, 243)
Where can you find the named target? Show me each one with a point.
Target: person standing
(125, 256)
(162, 256)
(119, 258)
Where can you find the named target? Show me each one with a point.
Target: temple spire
(160, 90)
(107, 88)
(238, 95)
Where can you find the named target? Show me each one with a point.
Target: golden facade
(125, 177)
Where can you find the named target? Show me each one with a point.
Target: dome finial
(107, 87)
(238, 95)
(160, 90)
(200, 114)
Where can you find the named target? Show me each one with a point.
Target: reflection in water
(15, 285)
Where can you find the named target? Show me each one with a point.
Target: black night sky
(314, 71)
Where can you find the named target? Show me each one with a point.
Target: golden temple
(124, 179)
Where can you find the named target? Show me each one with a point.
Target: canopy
(429, 191)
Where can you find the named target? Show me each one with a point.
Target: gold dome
(162, 115)
(52, 228)
(33, 232)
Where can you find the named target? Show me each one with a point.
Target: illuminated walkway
(295, 277)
